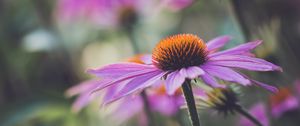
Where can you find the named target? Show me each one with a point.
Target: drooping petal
(174, 81)
(125, 77)
(246, 62)
(265, 86)
(208, 79)
(83, 100)
(225, 74)
(138, 83)
(83, 87)
(241, 49)
(191, 72)
(259, 112)
(117, 70)
(217, 42)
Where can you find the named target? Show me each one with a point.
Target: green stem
(189, 98)
(244, 112)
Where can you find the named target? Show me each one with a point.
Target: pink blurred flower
(186, 56)
(113, 13)
(259, 112)
(282, 102)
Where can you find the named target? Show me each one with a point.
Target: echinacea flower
(131, 106)
(259, 112)
(113, 13)
(283, 101)
(186, 56)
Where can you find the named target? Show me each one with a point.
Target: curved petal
(217, 42)
(83, 87)
(125, 77)
(240, 49)
(83, 100)
(208, 79)
(191, 72)
(138, 83)
(225, 74)
(117, 70)
(244, 62)
(265, 86)
(270, 88)
(174, 81)
(246, 59)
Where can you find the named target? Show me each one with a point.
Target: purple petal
(126, 77)
(138, 83)
(225, 74)
(217, 42)
(208, 79)
(174, 81)
(265, 86)
(83, 100)
(84, 90)
(117, 70)
(83, 87)
(191, 72)
(240, 49)
(259, 112)
(244, 62)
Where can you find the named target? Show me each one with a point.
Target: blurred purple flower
(282, 102)
(112, 13)
(186, 56)
(259, 112)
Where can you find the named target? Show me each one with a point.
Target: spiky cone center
(179, 51)
(223, 100)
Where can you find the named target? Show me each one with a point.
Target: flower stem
(149, 114)
(244, 112)
(189, 98)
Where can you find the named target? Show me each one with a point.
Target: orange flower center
(179, 51)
